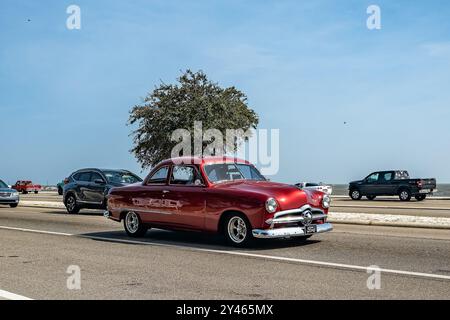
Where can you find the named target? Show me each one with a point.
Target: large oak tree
(177, 106)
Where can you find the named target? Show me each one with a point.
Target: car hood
(7, 190)
(356, 182)
(288, 196)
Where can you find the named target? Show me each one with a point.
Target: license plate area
(425, 191)
(311, 229)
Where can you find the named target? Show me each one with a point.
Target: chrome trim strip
(295, 219)
(89, 202)
(299, 210)
(137, 210)
(289, 232)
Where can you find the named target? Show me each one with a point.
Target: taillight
(420, 183)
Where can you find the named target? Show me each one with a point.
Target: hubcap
(237, 230)
(132, 222)
(71, 203)
(404, 195)
(355, 194)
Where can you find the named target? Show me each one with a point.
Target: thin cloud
(437, 49)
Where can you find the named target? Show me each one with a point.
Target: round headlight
(326, 201)
(271, 205)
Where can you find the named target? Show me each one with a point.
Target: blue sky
(306, 66)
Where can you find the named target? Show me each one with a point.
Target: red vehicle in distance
(218, 195)
(25, 186)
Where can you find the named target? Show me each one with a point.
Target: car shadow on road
(195, 240)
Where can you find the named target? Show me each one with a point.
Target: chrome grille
(5, 194)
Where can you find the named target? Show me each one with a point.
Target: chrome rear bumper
(289, 232)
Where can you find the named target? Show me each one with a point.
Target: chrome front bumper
(289, 232)
(9, 200)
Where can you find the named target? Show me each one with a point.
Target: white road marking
(240, 253)
(12, 296)
(387, 207)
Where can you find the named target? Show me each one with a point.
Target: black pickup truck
(391, 183)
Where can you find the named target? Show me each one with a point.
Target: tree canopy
(178, 106)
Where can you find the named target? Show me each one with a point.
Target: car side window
(373, 178)
(96, 176)
(184, 175)
(158, 177)
(84, 177)
(388, 176)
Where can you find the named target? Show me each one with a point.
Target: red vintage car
(26, 186)
(218, 195)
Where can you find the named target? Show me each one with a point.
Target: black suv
(87, 188)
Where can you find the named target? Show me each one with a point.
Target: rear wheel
(421, 197)
(355, 194)
(371, 197)
(404, 195)
(14, 205)
(36, 192)
(25, 192)
(60, 191)
(71, 204)
(133, 225)
(237, 230)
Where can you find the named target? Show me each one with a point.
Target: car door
(96, 190)
(83, 180)
(149, 201)
(185, 197)
(385, 183)
(370, 185)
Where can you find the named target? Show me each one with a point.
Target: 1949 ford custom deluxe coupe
(218, 195)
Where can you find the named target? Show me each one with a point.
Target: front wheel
(237, 230)
(71, 204)
(134, 226)
(36, 192)
(421, 197)
(355, 194)
(404, 195)
(14, 205)
(60, 191)
(371, 197)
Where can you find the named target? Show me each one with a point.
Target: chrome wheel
(237, 229)
(71, 203)
(404, 195)
(356, 194)
(132, 222)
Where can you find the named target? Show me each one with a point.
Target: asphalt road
(385, 205)
(38, 245)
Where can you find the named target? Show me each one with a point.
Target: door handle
(165, 191)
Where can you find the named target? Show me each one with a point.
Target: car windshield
(3, 185)
(121, 177)
(222, 172)
(311, 184)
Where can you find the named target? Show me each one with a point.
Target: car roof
(203, 160)
(102, 170)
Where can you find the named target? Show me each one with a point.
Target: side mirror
(99, 181)
(198, 182)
